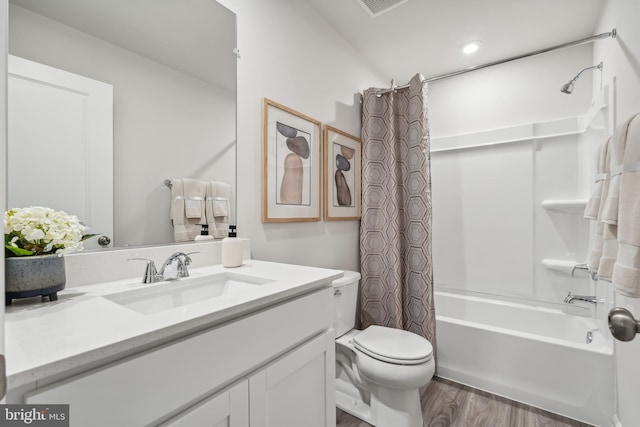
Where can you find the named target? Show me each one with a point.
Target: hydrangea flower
(38, 230)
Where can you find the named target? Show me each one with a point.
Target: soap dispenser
(204, 234)
(231, 249)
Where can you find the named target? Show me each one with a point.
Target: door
(628, 370)
(60, 142)
(298, 389)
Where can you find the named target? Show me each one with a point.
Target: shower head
(568, 87)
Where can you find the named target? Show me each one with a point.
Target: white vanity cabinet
(272, 367)
(229, 408)
(298, 389)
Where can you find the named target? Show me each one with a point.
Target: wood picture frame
(291, 165)
(342, 175)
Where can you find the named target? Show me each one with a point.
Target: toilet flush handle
(337, 293)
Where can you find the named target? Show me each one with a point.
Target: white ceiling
(195, 37)
(425, 35)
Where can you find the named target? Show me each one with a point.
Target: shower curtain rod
(611, 34)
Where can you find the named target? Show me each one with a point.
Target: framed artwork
(342, 175)
(290, 165)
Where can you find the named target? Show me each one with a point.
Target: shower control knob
(622, 324)
(104, 240)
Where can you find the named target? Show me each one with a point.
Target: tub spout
(591, 299)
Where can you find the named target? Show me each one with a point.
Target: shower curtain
(395, 234)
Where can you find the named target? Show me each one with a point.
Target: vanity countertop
(82, 328)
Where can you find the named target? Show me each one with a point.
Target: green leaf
(88, 236)
(18, 251)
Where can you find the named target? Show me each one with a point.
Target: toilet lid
(393, 345)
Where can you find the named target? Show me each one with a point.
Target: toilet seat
(394, 346)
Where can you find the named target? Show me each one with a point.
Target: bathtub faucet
(570, 299)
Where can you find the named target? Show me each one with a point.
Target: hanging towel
(595, 206)
(626, 271)
(176, 213)
(184, 229)
(618, 144)
(609, 251)
(194, 193)
(609, 216)
(218, 208)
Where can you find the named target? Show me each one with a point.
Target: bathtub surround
(395, 235)
(500, 247)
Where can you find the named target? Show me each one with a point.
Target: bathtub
(534, 355)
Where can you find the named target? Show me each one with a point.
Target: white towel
(595, 206)
(626, 271)
(218, 208)
(610, 210)
(194, 193)
(184, 229)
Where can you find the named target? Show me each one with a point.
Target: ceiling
(168, 32)
(426, 35)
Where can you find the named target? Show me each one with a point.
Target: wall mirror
(171, 68)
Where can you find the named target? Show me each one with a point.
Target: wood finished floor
(449, 404)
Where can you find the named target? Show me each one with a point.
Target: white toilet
(380, 370)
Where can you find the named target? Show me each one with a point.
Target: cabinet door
(230, 408)
(297, 389)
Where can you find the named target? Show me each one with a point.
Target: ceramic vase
(31, 276)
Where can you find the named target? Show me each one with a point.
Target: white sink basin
(179, 293)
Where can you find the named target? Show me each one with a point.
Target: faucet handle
(184, 271)
(184, 261)
(187, 258)
(150, 273)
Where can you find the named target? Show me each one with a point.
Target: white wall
(290, 55)
(622, 60)
(163, 125)
(515, 93)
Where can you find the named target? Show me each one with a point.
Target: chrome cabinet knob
(104, 241)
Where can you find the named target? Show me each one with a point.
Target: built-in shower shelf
(569, 206)
(561, 265)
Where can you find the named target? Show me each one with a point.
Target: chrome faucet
(178, 264)
(570, 299)
(585, 267)
(151, 274)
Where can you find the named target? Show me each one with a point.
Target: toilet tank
(345, 295)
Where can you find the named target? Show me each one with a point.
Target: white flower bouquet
(42, 231)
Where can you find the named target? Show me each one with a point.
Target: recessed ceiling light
(470, 47)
